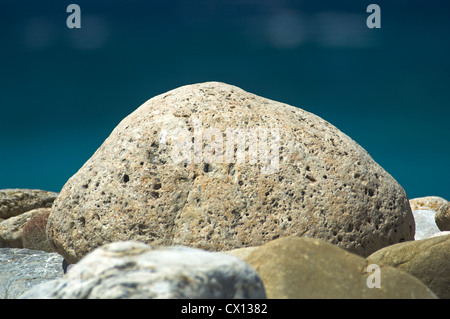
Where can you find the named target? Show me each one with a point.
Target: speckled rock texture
(130, 270)
(427, 203)
(22, 269)
(34, 235)
(135, 187)
(11, 230)
(14, 202)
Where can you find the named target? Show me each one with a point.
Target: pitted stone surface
(325, 185)
(16, 201)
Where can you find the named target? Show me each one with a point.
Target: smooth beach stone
(442, 217)
(427, 259)
(130, 270)
(307, 268)
(442, 233)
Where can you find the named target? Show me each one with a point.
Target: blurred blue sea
(62, 91)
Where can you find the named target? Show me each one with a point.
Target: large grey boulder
(22, 269)
(135, 270)
(169, 174)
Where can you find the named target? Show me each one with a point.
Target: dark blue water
(62, 90)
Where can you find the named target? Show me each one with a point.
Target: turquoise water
(62, 90)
